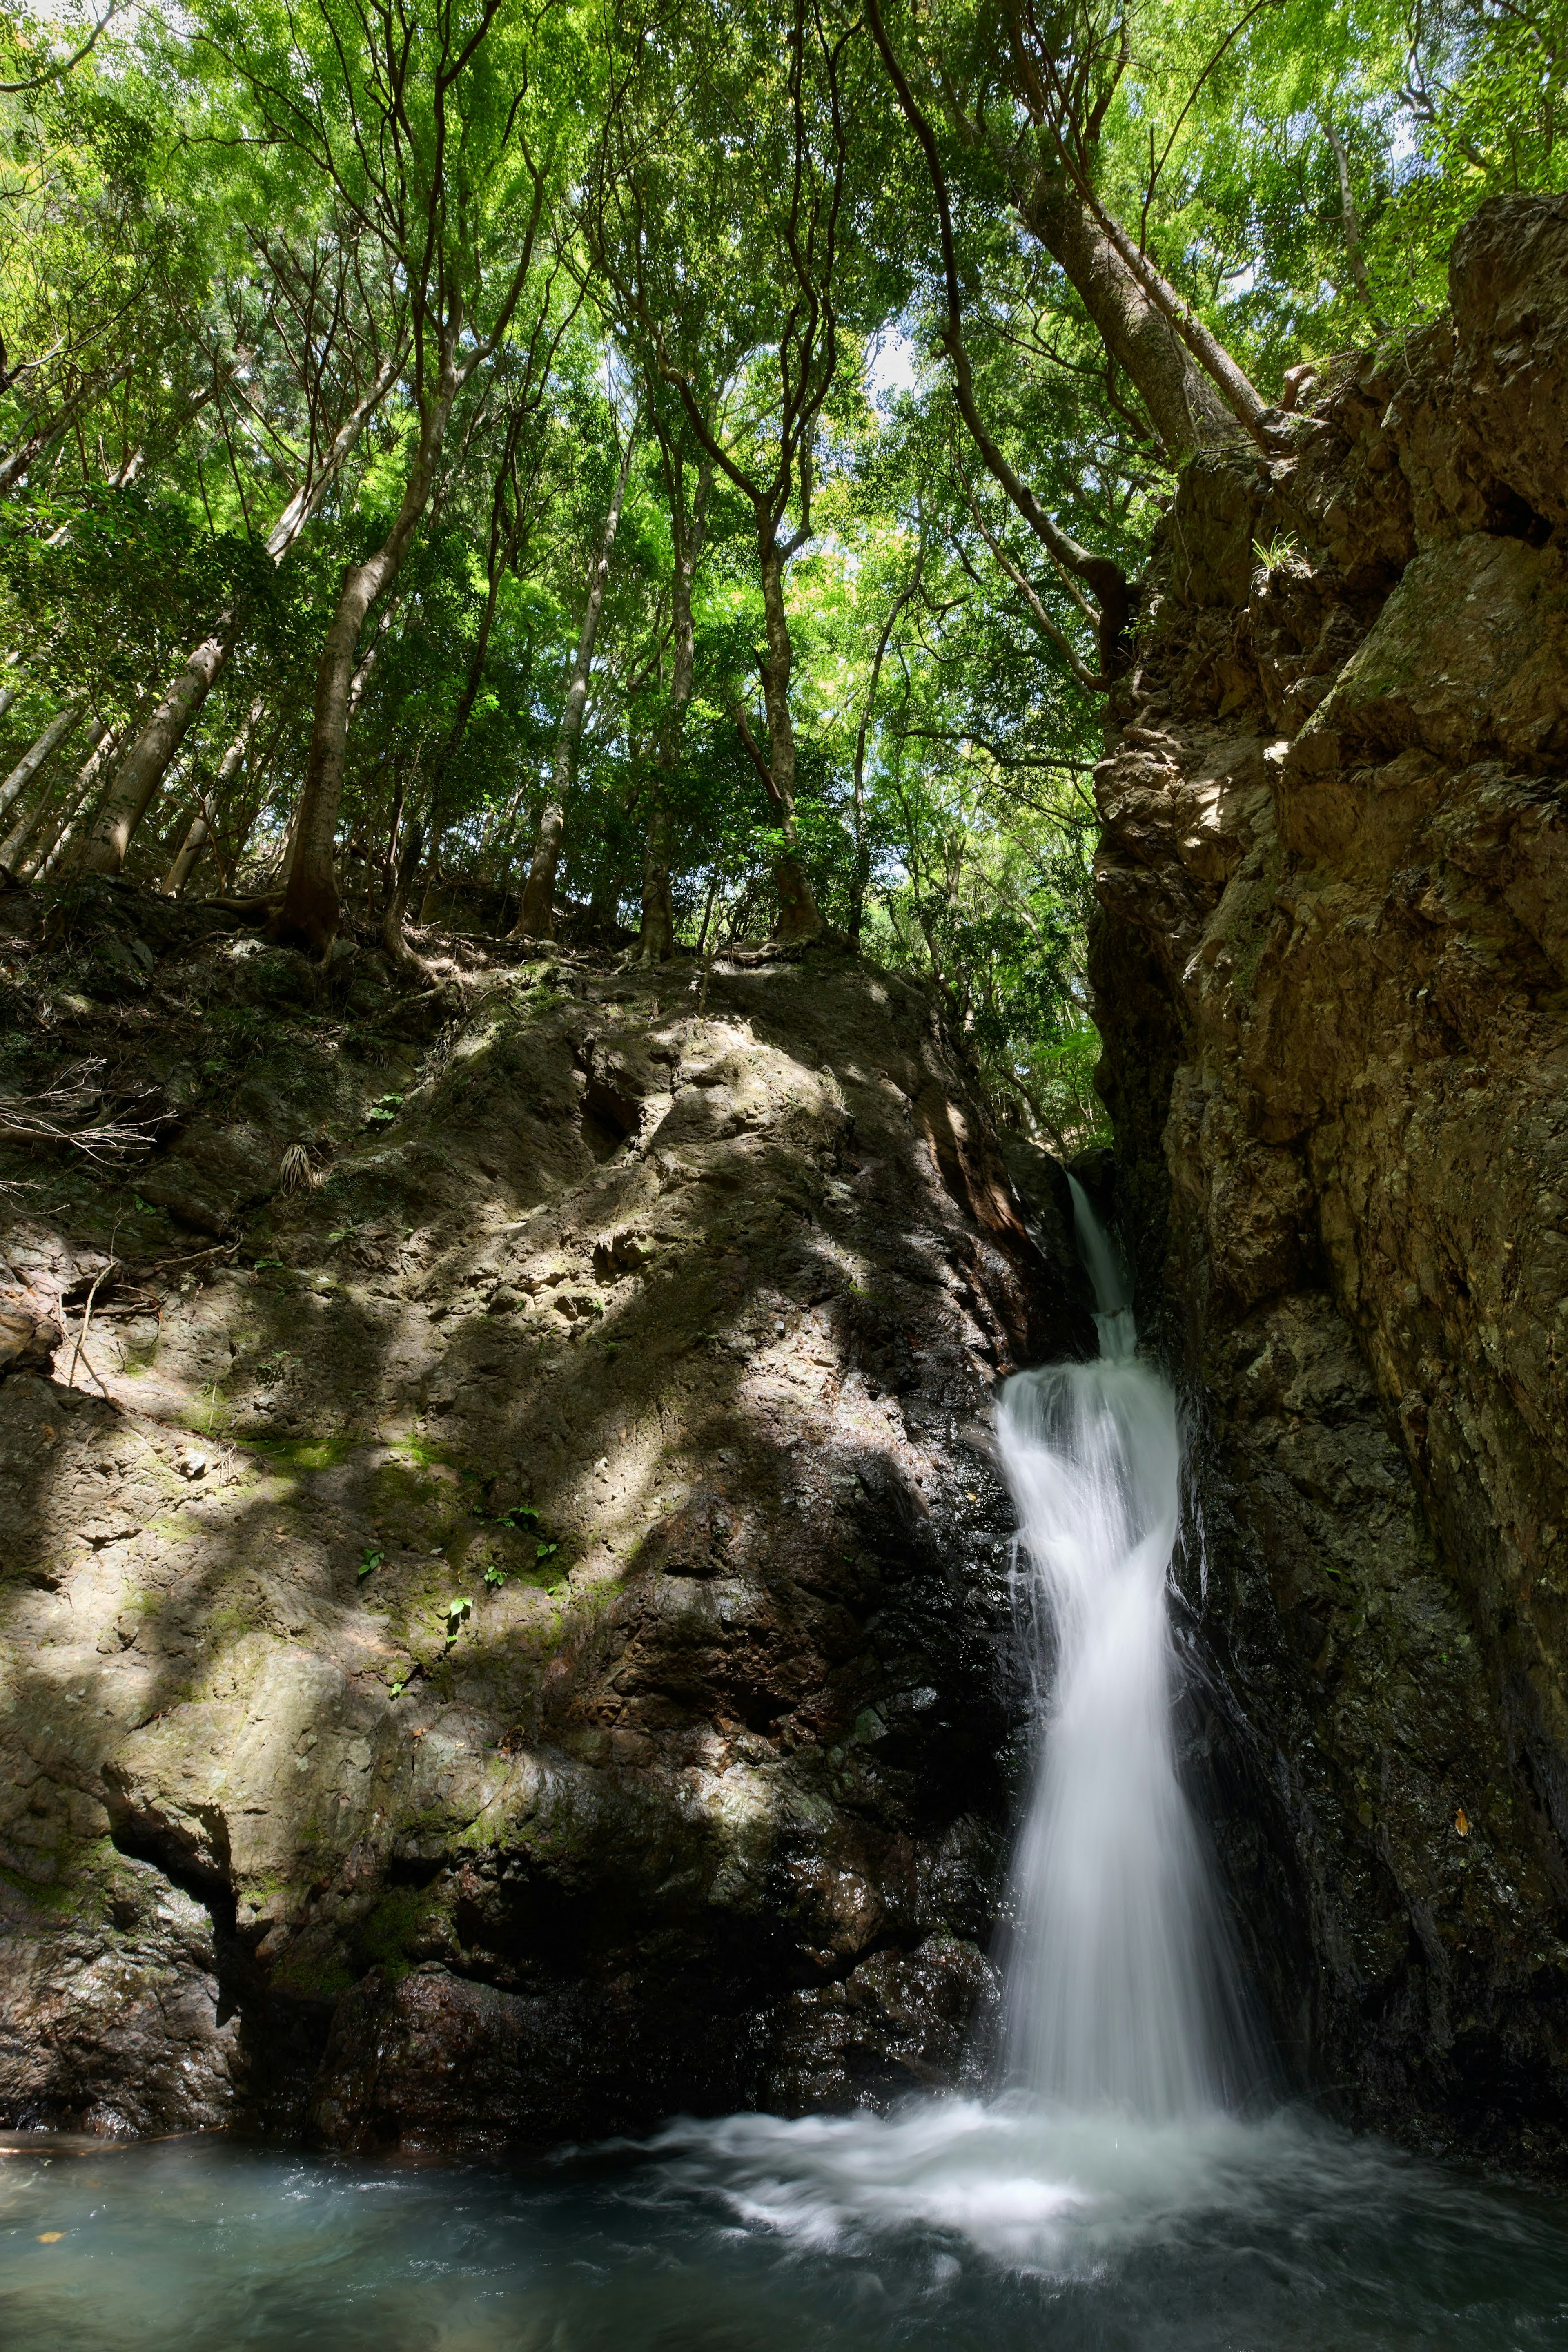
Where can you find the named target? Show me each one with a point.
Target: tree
(535, 917)
(440, 131)
(732, 261)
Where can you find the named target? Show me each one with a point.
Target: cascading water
(1119, 1990)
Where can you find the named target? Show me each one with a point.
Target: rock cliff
(506, 1612)
(1331, 969)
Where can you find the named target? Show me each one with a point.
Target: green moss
(172, 1531)
(1253, 921)
(310, 1979)
(383, 1937)
(427, 1453)
(228, 1624)
(303, 1453)
(44, 1896)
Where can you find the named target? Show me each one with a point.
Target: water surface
(949, 2226)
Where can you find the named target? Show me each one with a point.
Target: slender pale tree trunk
(15, 842)
(147, 763)
(312, 904)
(55, 836)
(862, 847)
(1187, 407)
(39, 753)
(392, 938)
(188, 856)
(199, 833)
(1352, 219)
(67, 718)
(537, 918)
(799, 918)
(17, 462)
(658, 939)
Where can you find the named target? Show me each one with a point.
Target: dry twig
(64, 1114)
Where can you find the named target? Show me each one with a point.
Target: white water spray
(1127, 2043)
(1120, 1990)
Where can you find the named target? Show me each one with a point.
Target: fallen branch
(62, 1114)
(108, 1267)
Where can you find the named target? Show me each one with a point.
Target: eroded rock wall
(1331, 969)
(507, 1632)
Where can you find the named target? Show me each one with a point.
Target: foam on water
(954, 2226)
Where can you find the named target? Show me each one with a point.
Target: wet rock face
(1332, 967)
(515, 1638)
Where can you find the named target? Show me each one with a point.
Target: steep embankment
(519, 1640)
(1332, 967)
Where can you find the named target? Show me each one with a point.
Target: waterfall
(1121, 1987)
(1128, 2050)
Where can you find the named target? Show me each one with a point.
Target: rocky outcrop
(508, 1632)
(1331, 969)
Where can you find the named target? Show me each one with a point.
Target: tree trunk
(311, 905)
(199, 831)
(862, 847)
(146, 763)
(658, 939)
(1352, 219)
(187, 857)
(1185, 406)
(393, 938)
(56, 838)
(537, 918)
(17, 462)
(32, 760)
(797, 915)
(15, 842)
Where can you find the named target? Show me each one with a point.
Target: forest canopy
(656, 476)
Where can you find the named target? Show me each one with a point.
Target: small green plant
(370, 1559)
(544, 1551)
(384, 1110)
(455, 1614)
(1279, 549)
(514, 1515)
(494, 1577)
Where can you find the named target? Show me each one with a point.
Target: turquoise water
(950, 2225)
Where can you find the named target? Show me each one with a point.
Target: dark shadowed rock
(1332, 970)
